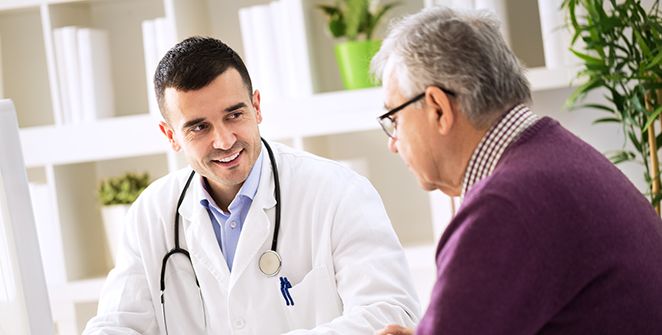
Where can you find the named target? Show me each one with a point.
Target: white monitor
(24, 305)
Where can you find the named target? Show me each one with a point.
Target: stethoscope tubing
(178, 250)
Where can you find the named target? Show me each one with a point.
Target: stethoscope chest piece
(270, 263)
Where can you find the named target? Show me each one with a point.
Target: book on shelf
(61, 65)
(84, 71)
(298, 62)
(158, 38)
(71, 75)
(276, 48)
(555, 34)
(95, 74)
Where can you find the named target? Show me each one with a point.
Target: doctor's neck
(222, 195)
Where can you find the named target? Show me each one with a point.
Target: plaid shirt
(494, 143)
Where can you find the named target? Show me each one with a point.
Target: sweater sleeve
(491, 277)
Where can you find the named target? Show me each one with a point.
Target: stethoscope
(270, 261)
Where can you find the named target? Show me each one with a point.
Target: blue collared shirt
(228, 225)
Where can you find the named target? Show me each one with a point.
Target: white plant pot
(113, 223)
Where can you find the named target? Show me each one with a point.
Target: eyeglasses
(387, 121)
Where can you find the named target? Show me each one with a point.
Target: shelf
(80, 291)
(542, 79)
(351, 111)
(119, 137)
(323, 114)
(317, 115)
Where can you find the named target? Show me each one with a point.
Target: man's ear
(170, 134)
(440, 109)
(255, 100)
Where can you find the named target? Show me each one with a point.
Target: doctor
(332, 265)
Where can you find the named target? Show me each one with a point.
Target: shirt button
(233, 224)
(239, 323)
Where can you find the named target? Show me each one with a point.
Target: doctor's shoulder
(308, 166)
(159, 197)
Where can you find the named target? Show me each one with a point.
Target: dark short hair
(194, 63)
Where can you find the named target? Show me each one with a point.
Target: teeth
(230, 158)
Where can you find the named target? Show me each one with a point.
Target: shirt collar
(492, 146)
(247, 190)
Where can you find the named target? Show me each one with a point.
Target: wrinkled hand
(395, 330)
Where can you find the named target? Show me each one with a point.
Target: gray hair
(462, 52)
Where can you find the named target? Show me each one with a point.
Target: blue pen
(284, 287)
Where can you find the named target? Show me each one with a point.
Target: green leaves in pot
(122, 190)
(353, 19)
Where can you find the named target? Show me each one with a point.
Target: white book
(298, 65)
(151, 61)
(96, 83)
(72, 75)
(555, 35)
(267, 80)
(281, 50)
(48, 234)
(248, 39)
(165, 36)
(61, 64)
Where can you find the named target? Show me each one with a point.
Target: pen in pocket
(284, 290)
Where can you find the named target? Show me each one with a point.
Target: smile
(230, 158)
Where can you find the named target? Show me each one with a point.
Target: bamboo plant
(622, 58)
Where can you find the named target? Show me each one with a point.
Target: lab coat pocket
(312, 301)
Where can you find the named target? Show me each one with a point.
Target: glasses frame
(389, 114)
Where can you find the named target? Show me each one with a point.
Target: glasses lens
(388, 125)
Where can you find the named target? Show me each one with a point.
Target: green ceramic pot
(353, 59)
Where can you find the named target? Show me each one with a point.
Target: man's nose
(224, 138)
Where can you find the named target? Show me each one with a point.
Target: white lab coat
(339, 251)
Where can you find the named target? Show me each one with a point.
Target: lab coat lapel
(258, 224)
(200, 238)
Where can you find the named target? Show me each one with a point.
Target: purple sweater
(555, 241)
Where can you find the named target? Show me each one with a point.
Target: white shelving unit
(341, 125)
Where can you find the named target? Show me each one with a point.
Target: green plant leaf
(607, 120)
(123, 189)
(582, 90)
(330, 10)
(596, 106)
(635, 142)
(357, 13)
(590, 60)
(621, 156)
(654, 62)
(653, 117)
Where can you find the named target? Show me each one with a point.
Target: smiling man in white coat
(204, 250)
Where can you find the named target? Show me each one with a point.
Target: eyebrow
(191, 123)
(235, 107)
(232, 108)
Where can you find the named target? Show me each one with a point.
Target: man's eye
(198, 128)
(235, 115)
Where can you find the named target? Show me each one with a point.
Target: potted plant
(116, 196)
(355, 21)
(622, 57)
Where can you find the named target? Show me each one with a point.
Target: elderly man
(550, 238)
